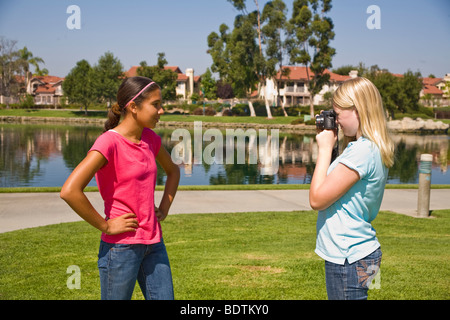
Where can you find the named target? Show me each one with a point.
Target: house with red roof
(292, 86)
(46, 90)
(187, 83)
(436, 91)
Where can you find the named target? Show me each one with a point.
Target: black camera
(326, 120)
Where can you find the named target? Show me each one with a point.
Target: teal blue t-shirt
(344, 229)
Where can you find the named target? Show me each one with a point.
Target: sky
(413, 35)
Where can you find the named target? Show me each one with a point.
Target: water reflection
(44, 155)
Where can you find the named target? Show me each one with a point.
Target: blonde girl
(348, 193)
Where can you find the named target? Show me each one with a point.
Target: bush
(227, 112)
(428, 111)
(208, 111)
(297, 121)
(240, 109)
(27, 101)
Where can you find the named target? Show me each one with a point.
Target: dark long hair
(129, 88)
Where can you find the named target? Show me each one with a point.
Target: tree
(344, 70)
(258, 64)
(27, 58)
(78, 85)
(41, 72)
(240, 5)
(399, 93)
(237, 56)
(389, 89)
(309, 42)
(219, 53)
(106, 77)
(243, 53)
(411, 84)
(209, 86)
(225, 91)
(274, 15)
(166, 78)
(446, 89)
(234, 57)
(10, 66)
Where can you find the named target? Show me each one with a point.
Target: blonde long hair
(361, 93)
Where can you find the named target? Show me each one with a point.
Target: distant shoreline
(299, 128)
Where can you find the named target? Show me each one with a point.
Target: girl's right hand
(121, 224)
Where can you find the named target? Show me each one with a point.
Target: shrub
(208, 111)
(240, 110)
(297, 121)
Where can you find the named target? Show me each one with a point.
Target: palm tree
(27, 58)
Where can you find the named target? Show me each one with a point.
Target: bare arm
(327, 189)
(173, 178)
(72, 193)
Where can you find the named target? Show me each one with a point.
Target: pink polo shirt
(127, 183)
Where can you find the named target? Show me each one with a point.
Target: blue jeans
(120, 265)
(351, 281)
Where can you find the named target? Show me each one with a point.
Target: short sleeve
(359, 157)
(154, 140)
(105, 145)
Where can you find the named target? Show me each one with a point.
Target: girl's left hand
(326, 139)
(160, 214)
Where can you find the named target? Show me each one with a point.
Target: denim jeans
(120, 265)
(352, 281)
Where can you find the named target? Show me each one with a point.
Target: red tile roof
(301, 73)
(48, 79)
(47, 84)
(431, 81)
(46, 88)
(337, 77)
(132, 72)
(431, 89)
(174, 69)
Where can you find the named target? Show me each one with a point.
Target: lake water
(45, 155)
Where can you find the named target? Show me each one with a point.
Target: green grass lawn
(52, 113)
(100, 112)
(232, 256)
(166, 117)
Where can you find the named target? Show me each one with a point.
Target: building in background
(187, 83)
(292, 89)
(46, 90)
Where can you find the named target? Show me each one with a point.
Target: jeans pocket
(368, 269)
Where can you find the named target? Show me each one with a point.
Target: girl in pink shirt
(123, 160)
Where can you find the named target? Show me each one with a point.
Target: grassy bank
(230, 256)
(167, 117)
(101, 114)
